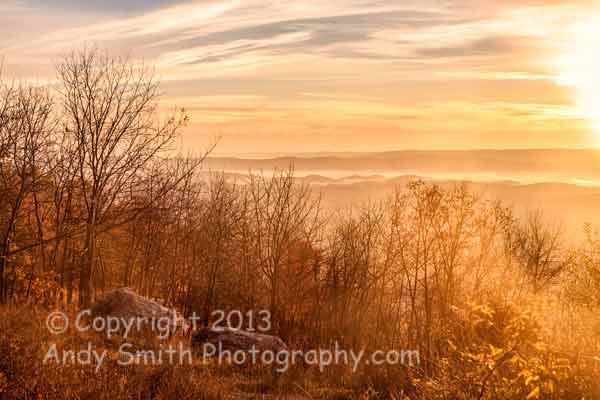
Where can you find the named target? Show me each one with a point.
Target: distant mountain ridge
(530, 165)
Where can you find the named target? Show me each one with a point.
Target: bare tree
(6, 138)
(64, 217)
(284, 214)
(219, 219)
(25, 135)
(539, 248)
(111, 115)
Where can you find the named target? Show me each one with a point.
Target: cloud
(210, 31)
(479, 47)
(322, 67)
(229, 50)
(102, 6)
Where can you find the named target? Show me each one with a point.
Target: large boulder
(126, 305)
(233, 340)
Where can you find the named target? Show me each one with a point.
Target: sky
(345, 75)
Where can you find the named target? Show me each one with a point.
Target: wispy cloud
(320, 67)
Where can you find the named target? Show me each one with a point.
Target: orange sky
(357, 75)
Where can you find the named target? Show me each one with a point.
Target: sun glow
(580, 68)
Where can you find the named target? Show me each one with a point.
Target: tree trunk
(3, 264)
(85, 273)
(2, 278)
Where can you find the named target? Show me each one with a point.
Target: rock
(126, 305)
(234, 340)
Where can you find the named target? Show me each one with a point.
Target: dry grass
(25, 339)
